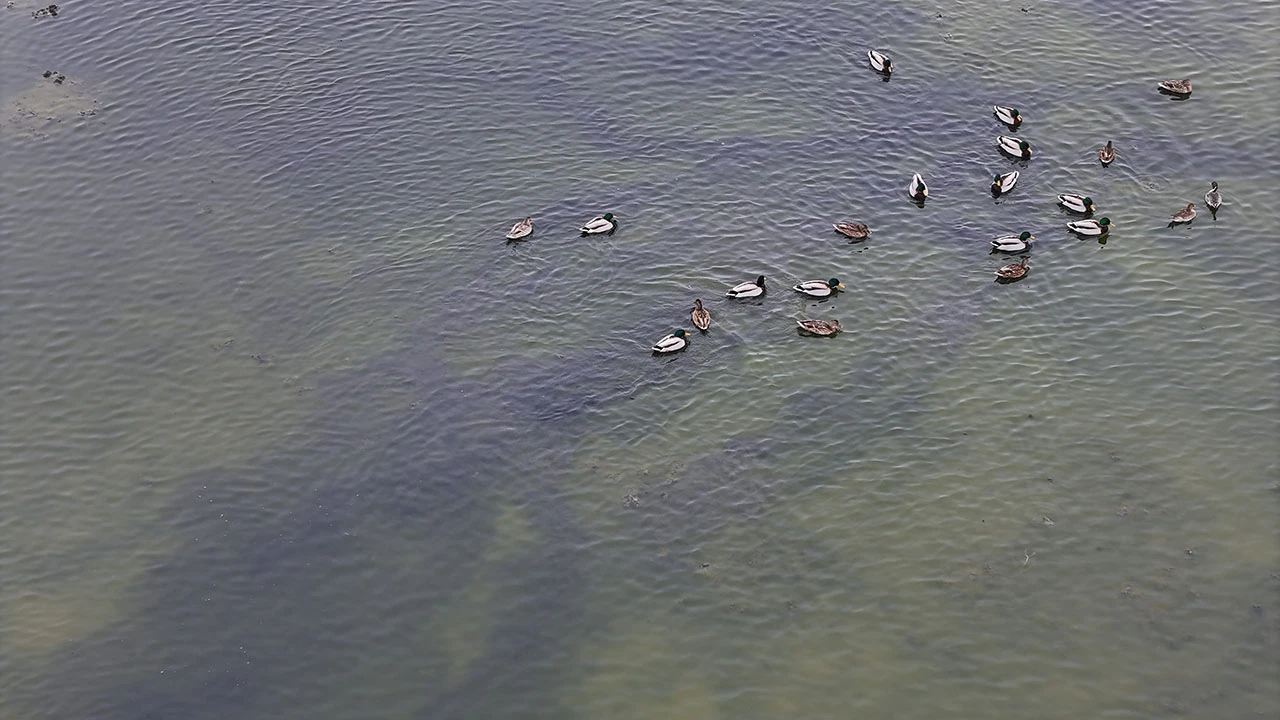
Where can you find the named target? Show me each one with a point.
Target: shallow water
(290, 431)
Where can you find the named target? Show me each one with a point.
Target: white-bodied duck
(1012, 243)
(819, 288)
(674, 342)
(1077, 203)
(747, 289)
(1008, 115)
(1004, 183)
(1091, 227)
(1014, 146)
(599, 225)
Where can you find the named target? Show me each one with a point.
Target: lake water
(290, 431)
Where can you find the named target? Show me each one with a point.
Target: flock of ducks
(918, 191)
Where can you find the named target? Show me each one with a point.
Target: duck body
(675, 342)
(1185, 215)
(599, 225)
(854, 230)
(824, 328)
(747, 289)
(917, 189)
(1090, 227)
(1007, 115)
(522, 229)
(1213, 198)
(1004, 183)
(700, 316)
(1012, 243)
(880, 62)
(1107, 155)
(1015, 146)
(819, 288)
(1077, 203)
(1013, 271)
(1176, 87)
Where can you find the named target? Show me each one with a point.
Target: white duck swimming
(1008, 115)
(599, 225)
(1077, 203)
(1091, 227)
(819, 288)
(1004, 183)
(747, 289)
(674, 342)
(880, 62)
(917, 189)
(1014, 146)
(1012, 243)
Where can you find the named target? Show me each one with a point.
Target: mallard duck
(1012, 243)
(819, 288)
(747, 289)
(820, 327)
(917, 189)
(855, 230)
(1185, 215)
(674, 342)
(1004, 183)
(700, 316)
(1077, 203)
(1008, 115)
(600, 225)
(1213, 198)
(1013, 271)
(1016, 147)
(1107, 154)
(1176, 87)
(522, 229)
(880, 62)
(1091, 227)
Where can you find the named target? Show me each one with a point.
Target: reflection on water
(292, 431)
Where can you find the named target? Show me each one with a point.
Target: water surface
(290, 431)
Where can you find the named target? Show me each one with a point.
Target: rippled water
(289, 430)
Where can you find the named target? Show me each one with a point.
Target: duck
(1185, 215)
(1091, 227)
(521, 229)
(1012, 243)
(819, 288)
(1107, 154)
(1016, 147)
(700, 316)
(917, 189)
(825, 328)
(1077, 203)
(880, 62)
(1004, 183)
(600, 225)
(855, 230)
(1013, 271)
(674, 342)
(1213, 198)
(1176, 87)
(1008, 115)
(747, 289)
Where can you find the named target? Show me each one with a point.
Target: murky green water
(289, 431)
